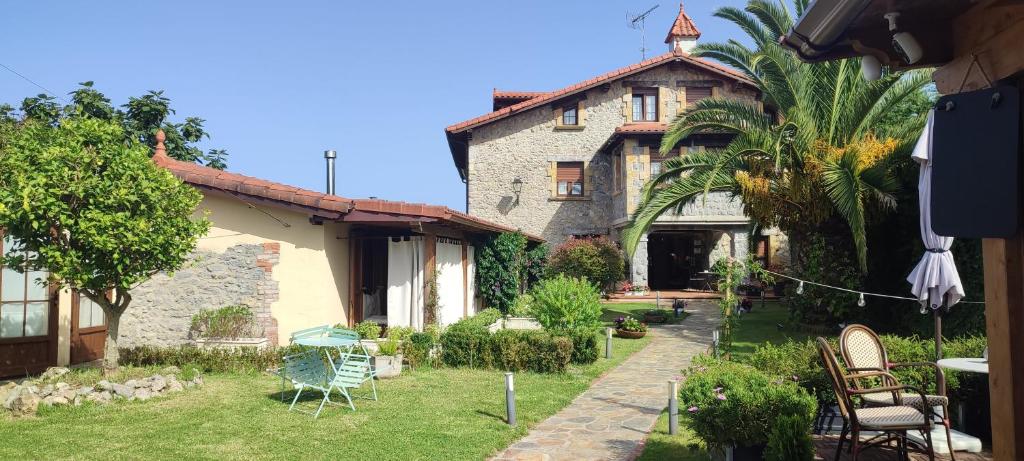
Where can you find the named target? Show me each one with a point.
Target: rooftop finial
(160, 149)
(684, 34)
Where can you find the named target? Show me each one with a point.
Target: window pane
(37, 292)
(97, 315)
(577, 188)
(652, 108)
(35, 321)
(12, 316)
(638, 108)
(12, 287)
(563, 188)
(655, 168)
(569, 117)
(84, 312)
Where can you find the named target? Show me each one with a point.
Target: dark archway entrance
(674, 258)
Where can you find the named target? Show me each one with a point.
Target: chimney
(330, 155)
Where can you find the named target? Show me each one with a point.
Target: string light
(861, 294)
(924, 310)
(860, 301)
(800, 288)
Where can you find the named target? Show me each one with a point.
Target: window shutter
(627, 106)
(680, 99)
(663, 104)
(714, 91)
(553, 174)
(581, 113)
(695, 94)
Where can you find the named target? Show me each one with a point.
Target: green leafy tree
(595, 259)
(93, 211)
(141, 118)
(499, 267)
(818, 158)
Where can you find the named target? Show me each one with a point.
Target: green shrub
(400, 333)
(465, 344)
(535, 262)
(240, 360)
(417, 349)
(368, 329)
(732, 403)
(485, 317)
(228, 322)
(584, 344)
(562, 303)
(499, 269)
(389, 347)
(596, 259)
(523, 307)
(790, 439)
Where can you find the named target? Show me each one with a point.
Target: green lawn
(616, 310)
(450, 414)
(684, 446)
(759, 326)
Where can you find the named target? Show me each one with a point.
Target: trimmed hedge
(464, 344)
(243, 359)
(584, 345)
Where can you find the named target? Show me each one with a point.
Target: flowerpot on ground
(630, 334)
(387, 366)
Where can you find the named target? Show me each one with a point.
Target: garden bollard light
(510, 399)
(608, 343)
(714, 342)
(673, 407)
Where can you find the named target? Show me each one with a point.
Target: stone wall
(162, 308)
(523, 145)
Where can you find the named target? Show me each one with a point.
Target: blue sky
(279, 82)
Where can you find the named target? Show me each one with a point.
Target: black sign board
(976, 164)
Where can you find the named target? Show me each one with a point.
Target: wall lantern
(517, 188)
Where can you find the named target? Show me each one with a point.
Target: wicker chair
(863, 351)
(892, 421)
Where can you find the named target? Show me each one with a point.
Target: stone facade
(162, 308)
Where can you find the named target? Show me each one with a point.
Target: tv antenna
(637, 21)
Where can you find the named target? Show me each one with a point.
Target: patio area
(825, 446)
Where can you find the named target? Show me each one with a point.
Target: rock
(175, 386)
(198, 380)
(104, 385)
(46, 390)
(99, 397)
(60, 386)
(68, 394)
(122, 390)
(26, 403)
(55, 400)
(6, 391)
(134, 383)
(78, 400)
(86, 390)
(53, 372)
(12, 394)
(143, 394)
(157, 383)
(171, 370)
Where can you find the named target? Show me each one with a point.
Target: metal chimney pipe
(330, 155)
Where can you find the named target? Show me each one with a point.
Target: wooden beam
(1004, 322)
(990, 33)
(429, 264)
(465, 279)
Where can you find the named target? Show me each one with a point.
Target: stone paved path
(611, 420)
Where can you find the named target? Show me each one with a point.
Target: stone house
(298, 258)
(573, 162)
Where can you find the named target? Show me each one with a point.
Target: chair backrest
(861, 348)
(835, 375)
(306, 367)
(353, 372)
(315, 331)
(343, 333)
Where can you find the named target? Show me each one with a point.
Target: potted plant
(655, 316)
(369, 333)
(629, 327)
(387, 362)
(228, 327)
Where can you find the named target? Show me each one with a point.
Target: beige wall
(313, 269)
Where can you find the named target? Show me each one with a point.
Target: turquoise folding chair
(351, 374)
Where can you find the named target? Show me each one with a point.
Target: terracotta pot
(630, 334)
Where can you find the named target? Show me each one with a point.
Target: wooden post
(430, 268)
(465, 279)
(1004, 321)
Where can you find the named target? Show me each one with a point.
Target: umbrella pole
(940, 381)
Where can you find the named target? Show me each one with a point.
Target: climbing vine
(731, 275)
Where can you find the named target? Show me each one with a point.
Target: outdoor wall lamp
(517, 188)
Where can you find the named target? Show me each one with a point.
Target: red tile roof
(317, 203)
(642, 128)
(682, 27)
(677, 55)
(517, 94)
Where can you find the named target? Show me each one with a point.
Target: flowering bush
(735, 404)
(630, 324)
(596, 259)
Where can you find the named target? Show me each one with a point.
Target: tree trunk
(111, 355)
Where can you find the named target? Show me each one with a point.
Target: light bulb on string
(800, 288)
(924, 310)
(860, 301)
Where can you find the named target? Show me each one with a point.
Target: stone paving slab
(612, 419)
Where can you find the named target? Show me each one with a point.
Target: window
(90, 314)
(24, 303)
(696, 93)
(569, 178)
(569, 116)
(655, 168)
(645, 104)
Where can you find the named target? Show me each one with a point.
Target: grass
(684, 446)
(761, 325)
(444, 413)
(616, 310)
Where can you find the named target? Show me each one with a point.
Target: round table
(969, 364)
(344, 346)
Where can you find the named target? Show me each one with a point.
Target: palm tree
(821, 158)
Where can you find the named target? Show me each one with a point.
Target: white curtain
(449, 281)
(405, 283)
(471, 280)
